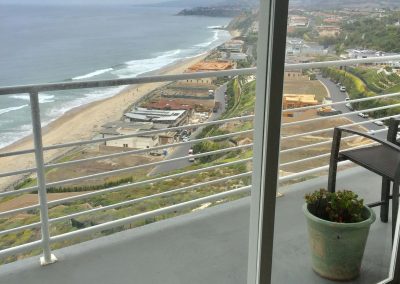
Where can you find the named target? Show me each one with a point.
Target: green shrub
(209, 146)
(24, 183)
(106, 184)
(341, 206)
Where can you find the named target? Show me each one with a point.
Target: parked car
(363, 115)
(347, 99)
(379, 123)
(185, 139)
(342, 89)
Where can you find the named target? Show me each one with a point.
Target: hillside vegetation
(367, 32)
(378, 81)
(359, 88)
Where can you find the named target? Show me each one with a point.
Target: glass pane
(316, 243)
(155, 175)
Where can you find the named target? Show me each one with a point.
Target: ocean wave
(215, 38)
(9, 137)
(136, 67)
(43, 98)
(88, 97)
(93, 74)
(5, 110)
(215, 27)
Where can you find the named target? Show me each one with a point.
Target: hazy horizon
(81, 2)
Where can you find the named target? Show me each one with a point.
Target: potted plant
(338, 226)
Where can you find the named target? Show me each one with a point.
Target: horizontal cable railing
(322, 156)
(149, 132)
(340, 115)
(244, 118)
(169, 209)
(121, 187)
(347, 125)
(328, 142)
(187, 76)
(162, 194)
(310, 172)
(141, 151)
(123, 203)
(125, 221)
(130, 169)
(41, 168)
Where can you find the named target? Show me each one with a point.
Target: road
(181, 151)
(338, 96)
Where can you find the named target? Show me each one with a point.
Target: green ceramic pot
(337, 248)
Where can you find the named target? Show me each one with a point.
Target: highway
(181, 151)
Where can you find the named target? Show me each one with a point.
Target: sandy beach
(82, 123)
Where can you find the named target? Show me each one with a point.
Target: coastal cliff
(225, 11)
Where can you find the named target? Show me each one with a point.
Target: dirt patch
(312, 139)
(32, 199)
(99, 166)
(313, 87)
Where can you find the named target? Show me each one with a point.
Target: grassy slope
(377, 82)
(306, 87)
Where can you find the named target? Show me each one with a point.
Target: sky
(63, 2)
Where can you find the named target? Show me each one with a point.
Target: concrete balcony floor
(208, 246)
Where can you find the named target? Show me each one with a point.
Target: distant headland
(218, 11)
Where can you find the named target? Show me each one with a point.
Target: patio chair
(382, 159)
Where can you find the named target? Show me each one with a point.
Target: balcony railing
(42, 167)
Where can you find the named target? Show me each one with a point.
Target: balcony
(206, 246)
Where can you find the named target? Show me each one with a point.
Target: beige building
(168, 118)
(298, 100)
(297, 21)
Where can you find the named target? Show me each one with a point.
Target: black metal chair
(383, 159)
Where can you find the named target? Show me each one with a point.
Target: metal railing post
(42, 194)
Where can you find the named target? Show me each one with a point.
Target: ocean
(41, 44)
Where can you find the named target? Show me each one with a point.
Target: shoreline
(83, 122)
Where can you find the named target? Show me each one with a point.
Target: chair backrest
(393, 130)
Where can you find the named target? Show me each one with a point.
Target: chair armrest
(369, 136)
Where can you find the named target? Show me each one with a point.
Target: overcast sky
(81, 1)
